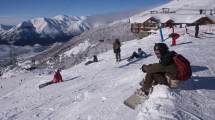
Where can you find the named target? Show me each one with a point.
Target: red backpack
(183, 67)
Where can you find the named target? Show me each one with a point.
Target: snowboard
(45, 84)
(135, 99)
(137, 59)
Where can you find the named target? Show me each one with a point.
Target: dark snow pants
(174, 40)
(196, 33)
(118, 56)
(153, 78)
(134, 55)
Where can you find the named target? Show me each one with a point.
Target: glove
(142, 68)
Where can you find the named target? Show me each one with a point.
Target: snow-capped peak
(68, 18)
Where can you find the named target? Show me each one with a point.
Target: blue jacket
(140, 53)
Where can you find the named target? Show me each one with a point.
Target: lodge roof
(177, 18)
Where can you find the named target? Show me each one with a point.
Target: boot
(129, 59)
(143, 92)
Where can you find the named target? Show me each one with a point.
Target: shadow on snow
(183, 43)
(198, 68)
(71, 79)
(199, 82)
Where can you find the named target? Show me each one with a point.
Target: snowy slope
(184, 7)
(97, 91)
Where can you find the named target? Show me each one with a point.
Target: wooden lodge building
(144, 25)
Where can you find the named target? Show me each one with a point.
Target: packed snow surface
(97, 91)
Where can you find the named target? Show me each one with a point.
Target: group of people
(164, 72)
(175, 36)
(117, 50)
(157, 73)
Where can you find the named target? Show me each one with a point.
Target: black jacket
(116, 47)
(167, 58)
(172, 35)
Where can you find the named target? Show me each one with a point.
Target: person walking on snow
(139, 54)
(164, 72)
(196, 30)
(186, 29)
(174, 37)
(117, 50)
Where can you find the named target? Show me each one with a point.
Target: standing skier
(196, 30)
(117, 50)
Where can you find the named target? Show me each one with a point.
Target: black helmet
(162, 47)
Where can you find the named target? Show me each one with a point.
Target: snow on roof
(177, 18)
(139, 19)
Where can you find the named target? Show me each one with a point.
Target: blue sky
(15, 11)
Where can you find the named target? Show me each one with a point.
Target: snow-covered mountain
(46, 30)
(90, 40)
(5, 27)
(59, 28)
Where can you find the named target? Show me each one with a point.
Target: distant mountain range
(100, 39)
(45, 30)
(60, 28)
(5, 27)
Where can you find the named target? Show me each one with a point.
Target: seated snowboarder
(94, 60)
(57, 78)
(140, 54)
(164, 72)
